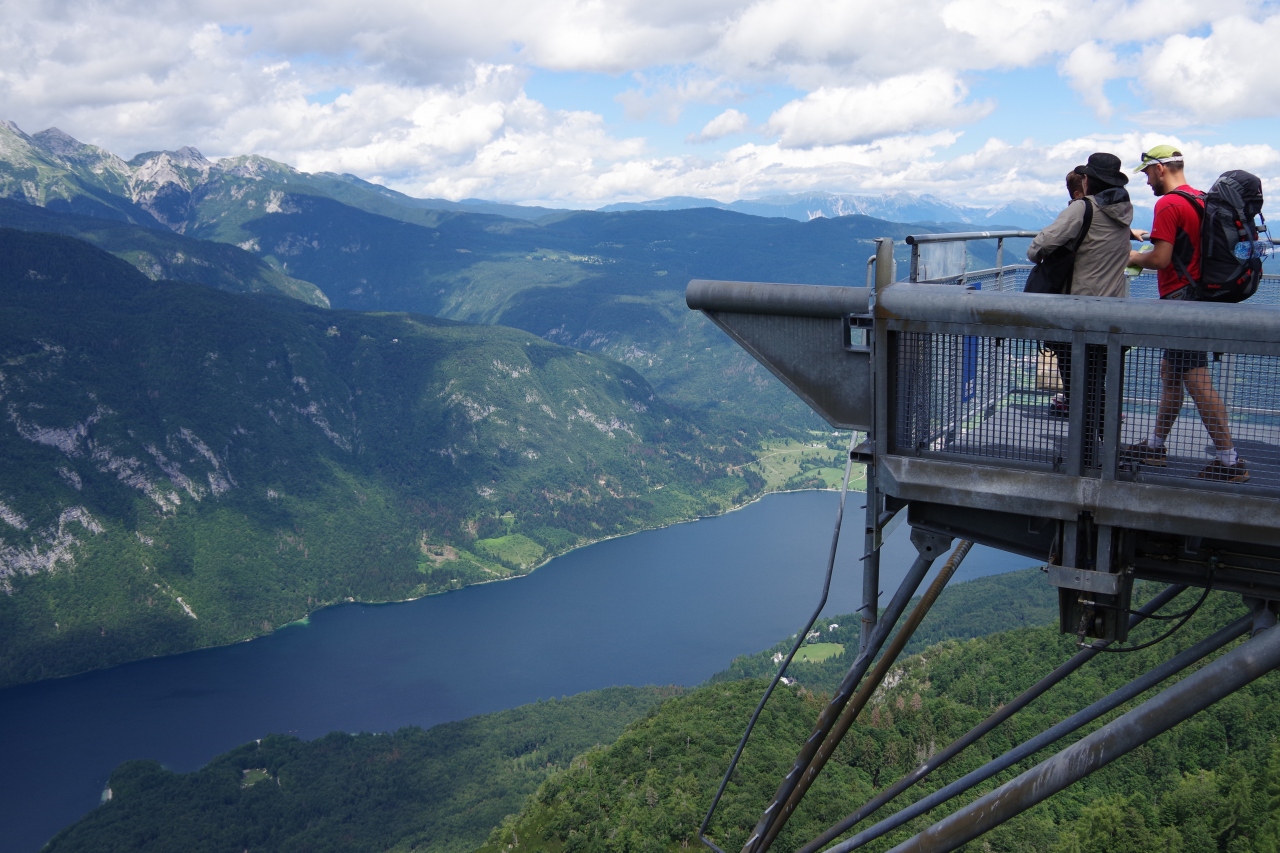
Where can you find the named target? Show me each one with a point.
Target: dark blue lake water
(669, 606)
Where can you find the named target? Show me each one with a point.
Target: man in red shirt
(1175, 235)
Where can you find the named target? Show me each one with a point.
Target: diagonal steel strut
(1161, 712)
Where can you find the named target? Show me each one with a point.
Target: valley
(186, 467)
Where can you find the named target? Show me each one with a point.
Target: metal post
(871, 546)
(870, 562)
(1157, 715)
(999, 263)
(884, 263)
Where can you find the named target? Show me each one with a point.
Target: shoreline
(305, 619)
(581, 545)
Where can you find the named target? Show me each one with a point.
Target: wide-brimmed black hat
(1104, 168)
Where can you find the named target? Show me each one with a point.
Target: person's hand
(1140, 236)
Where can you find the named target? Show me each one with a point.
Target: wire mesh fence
(1181, 412)
(1183, 408)
(1010, 401)
(1000, 398)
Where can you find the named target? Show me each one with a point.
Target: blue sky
(587, 102)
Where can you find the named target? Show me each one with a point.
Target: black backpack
(1226, 216)
(1054, 273)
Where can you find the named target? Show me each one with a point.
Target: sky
(586, 102)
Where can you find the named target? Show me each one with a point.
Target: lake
(670, 606)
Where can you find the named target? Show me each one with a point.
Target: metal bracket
(864, 453)
(930, 545)
(1084, 580)
(857, 332)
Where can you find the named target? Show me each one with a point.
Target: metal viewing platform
(1003, 418)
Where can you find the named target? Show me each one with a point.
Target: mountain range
(894, 207)
(50, 168)
(610, 282)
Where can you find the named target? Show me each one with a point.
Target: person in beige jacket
(1100, 263)
(1099, 271)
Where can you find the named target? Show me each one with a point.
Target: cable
(1186, 617)
(800, 638)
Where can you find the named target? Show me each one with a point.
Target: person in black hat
(1099, 263)
(1104, 252)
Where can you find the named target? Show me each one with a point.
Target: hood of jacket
(1114, 203)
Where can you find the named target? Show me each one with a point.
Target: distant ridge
(894, 207)
(53, 169)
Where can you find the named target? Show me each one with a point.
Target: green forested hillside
(1211, 785)
(975, 608)
(612, 283)
(162, 254)
(181, 466)
(439, 790)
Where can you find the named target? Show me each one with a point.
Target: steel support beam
(984, 728)
(930, 547)
(1157, 715)
(1028, 748)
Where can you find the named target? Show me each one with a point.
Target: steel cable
(800, 638)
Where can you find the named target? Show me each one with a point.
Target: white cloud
(435, 99)
(727, 123)
(1225, 75)
(667, 95)
(908, 103)
(1089, 68)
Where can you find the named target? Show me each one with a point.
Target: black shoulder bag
(1053, 274)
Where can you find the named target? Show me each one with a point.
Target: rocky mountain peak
(191, 158)
(58, 142)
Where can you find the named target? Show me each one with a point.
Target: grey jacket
(1099, 269)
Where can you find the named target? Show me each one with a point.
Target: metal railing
(1012, 277)
(944, 258)
(1077, 403)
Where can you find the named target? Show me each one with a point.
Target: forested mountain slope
(610, 282)
(1211, 785)
(161, 254)
(439, 790)
(181, 466)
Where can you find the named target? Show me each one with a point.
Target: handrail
(915, 241)
(956, 236)
(947, 303)
(790, 300)
(1207, 324)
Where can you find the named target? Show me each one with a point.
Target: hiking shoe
(1148, 455)
(1220, 473)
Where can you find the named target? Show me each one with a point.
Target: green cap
(1159, 154)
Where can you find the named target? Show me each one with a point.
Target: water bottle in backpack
(1261, 248)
